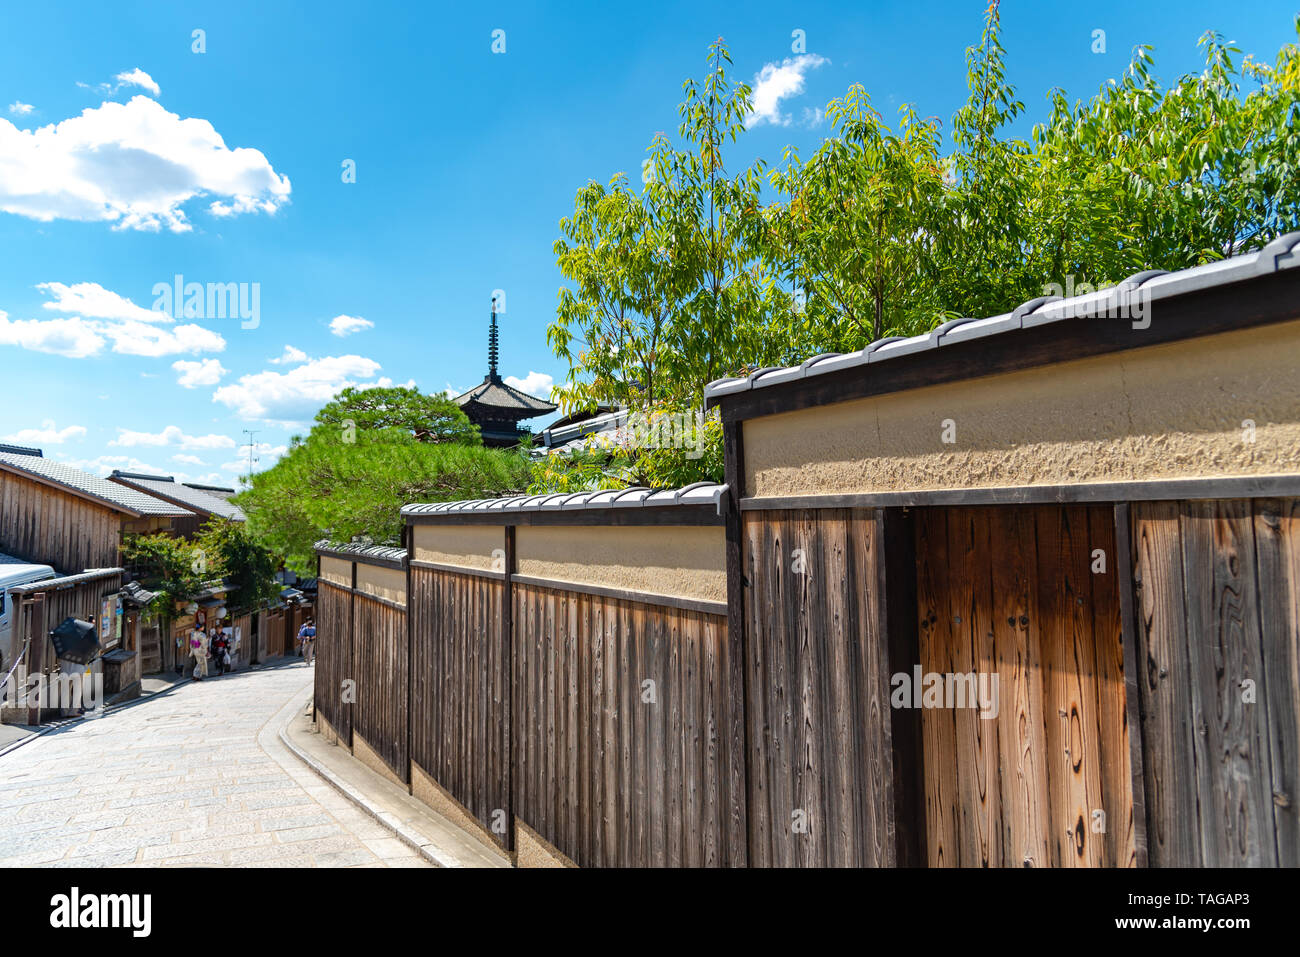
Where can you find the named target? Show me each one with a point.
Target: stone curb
(404, 833)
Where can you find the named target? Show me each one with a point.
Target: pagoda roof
(492, 393)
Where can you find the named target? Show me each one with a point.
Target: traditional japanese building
(495, 407)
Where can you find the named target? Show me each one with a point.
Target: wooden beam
(623, 594)
(458, 570)
(1243, 486)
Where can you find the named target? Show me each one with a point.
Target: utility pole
(250, 433)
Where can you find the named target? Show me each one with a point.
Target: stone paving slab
(410, 826)
(193, 777)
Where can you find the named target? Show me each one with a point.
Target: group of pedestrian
(217, 646)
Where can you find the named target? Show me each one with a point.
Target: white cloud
(298, 393)
(18, 108)
(104, 317)
(105, 464)
(203, 372)
(139, 339)
(171, 435)
(535, 383)
(812, 117)
(93, 301)
(292, 356)
(133, 164)
(775, 83)
(47, 434)
(187, 459)
(346, 325)
(74, 338)
(137, 77)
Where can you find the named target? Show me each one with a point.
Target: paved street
(195, 776)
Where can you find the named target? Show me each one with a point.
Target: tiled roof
(569, 435)
(66, 581)
(1148, 286)
(387, 553)
(137, 594)
(167, 487)
(497, 394)
(218, 490)
(20, 450)
(119, 497)
(701, 493)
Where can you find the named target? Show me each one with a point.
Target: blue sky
(226, 166)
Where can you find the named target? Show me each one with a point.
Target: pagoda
(496, 407)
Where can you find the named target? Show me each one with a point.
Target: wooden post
(896, 586)
(406, 542)
(36, 654)
(508, 639)
(1124, 564)
(738, 771)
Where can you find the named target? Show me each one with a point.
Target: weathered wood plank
(942, 800)
(1224, 653)
(1165, 681)
(1108, 569)
(1022, 743)
(1277, 547)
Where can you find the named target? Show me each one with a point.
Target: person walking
(199, 648)
(219, 647)
(307, 636)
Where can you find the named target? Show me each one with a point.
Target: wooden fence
(573, 692)
(1096, 517)
(571, 695)
(363, 655)
(1021, 592)
(460, 690)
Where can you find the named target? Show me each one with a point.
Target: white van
(14, 573)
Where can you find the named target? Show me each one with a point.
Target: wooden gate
(1040, 774)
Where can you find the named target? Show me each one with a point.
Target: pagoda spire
(492, 344)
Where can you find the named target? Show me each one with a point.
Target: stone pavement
(195, 776)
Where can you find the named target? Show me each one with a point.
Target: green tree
(610, 326)
(724, 317)
(338, 485)
(856, 231)
(879, 233)
(430, 418)
(170, 567)
(237, 557)
(670, 287)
